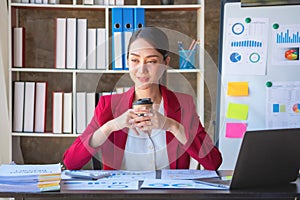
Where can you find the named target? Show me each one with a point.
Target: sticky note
(226, 178)
(237, 89)
(237, 111)
(235, 130)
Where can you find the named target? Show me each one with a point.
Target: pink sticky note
(235, 130)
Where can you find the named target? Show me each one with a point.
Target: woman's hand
(155, 120)
(158, 121)
(123, 121)
(140, 120)
(100, 135)
(148, 119)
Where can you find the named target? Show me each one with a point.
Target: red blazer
(177, 106)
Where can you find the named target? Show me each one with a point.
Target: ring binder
(127, 32)
(117, 47)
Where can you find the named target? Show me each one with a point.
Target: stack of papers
(129, 180)
(104, 179)
(108, 174)
(30, 178)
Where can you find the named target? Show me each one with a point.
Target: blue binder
(117, 29)
(139, 18)
(127, 32)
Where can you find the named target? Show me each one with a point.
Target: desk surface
(288, 191)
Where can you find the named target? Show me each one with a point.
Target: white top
(146, 152)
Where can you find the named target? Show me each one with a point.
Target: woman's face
(146, 65)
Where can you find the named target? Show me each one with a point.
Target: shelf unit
(40, 66)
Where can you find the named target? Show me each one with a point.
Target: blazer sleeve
(80, 152)
(199, 145)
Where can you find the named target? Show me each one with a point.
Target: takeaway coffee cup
(144, 103)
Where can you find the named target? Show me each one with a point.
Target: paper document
(85, 174)
(245, 49)
(131, 175)
(113, 174)
(18, 172)
(187, 174)
(30, 178)
(100, 185)
(32, 187)
(179, 184)
(283, 105)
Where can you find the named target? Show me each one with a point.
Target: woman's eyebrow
(152, 56)
(149, 56)
(134, 54)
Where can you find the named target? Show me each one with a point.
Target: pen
(180, 45)
(212, 184)
(181, 48)
(191, 49)
(87, 175)
(192, 45)
(103, 175)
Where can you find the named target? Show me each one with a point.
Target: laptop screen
(267, 157)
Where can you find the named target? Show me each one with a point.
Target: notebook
(266, 158)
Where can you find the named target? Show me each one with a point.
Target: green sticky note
(237, 111)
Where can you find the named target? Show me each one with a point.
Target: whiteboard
(259, 47)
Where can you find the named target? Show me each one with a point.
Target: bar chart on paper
(246, 43)
(286, 44)
(288, 36)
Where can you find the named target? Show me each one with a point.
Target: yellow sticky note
(237, 89)
(237, 111)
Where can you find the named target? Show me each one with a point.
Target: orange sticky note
(235, 130)
(237, 89)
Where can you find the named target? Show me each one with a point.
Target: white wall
(5, 136)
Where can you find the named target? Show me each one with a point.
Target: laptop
(266, 158)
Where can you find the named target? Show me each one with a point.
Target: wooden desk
(289, 191)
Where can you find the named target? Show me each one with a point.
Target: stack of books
(30, 178)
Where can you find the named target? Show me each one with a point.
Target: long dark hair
(155, 37)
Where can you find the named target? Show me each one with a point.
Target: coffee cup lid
(143, 101)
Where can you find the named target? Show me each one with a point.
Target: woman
(165, 137)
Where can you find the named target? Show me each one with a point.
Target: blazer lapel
(172, 109)
(120, 104)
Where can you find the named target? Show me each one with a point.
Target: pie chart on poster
(254, 57)
(292, 54)
(296, 108)
(238, 28)
(235, 57)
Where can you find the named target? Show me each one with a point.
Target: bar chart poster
(246, 46)
(286, 44)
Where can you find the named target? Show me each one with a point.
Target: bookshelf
(39, 23)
